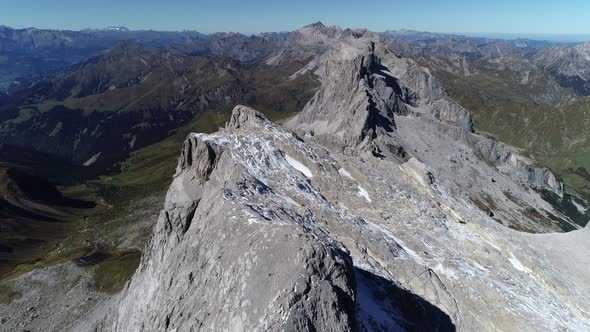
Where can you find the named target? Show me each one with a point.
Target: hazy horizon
(554, 37)
(525, 17)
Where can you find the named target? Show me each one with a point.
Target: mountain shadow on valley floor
(41, 190)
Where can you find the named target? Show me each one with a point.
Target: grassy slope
(268, 88)
(33, 218)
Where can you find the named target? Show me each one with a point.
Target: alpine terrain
(324, 179)
(375, 208)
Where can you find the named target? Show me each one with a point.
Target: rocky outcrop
(360, 95)
(266, 230)
(348, 113)
(243, 116)
(504, 158)
(570, 65)
(223, 272)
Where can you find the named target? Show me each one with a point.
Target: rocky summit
(376, 208)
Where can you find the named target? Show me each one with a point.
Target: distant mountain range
(412, 35)
(110, 92)
(30, 55)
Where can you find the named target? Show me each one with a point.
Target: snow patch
(525, 77)
(517, 264)
(253, 221)
(132, 142)
(578, 206)
(92, 159)
(289, 200)
(445, 271)
(343, 172)
(299, 166)
(363, 192)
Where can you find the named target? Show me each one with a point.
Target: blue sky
(467, 16)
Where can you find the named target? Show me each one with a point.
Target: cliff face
(360, 94)
(381, 210)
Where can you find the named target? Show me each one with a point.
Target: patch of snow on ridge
(449, 273)
(411, 253)
(132, 142)
(363, 192)
(299, 166)
(517, 264)
(578, 206)
(343, 172)
(253, 221)
(92, 160)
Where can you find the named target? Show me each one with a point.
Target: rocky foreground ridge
(377, 208)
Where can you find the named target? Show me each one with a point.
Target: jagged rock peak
(319, 28)
(199, 157)
(358, 97)
(361, 94)
(200, 264)
(317, 25)
(366, 90)
(245, 116)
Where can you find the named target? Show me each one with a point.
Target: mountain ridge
(402, 221)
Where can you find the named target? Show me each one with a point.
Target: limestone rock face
(504, 157)
(211, 267)
(245, 116)
(360, 94)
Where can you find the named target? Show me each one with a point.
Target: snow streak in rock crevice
(299, 166)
